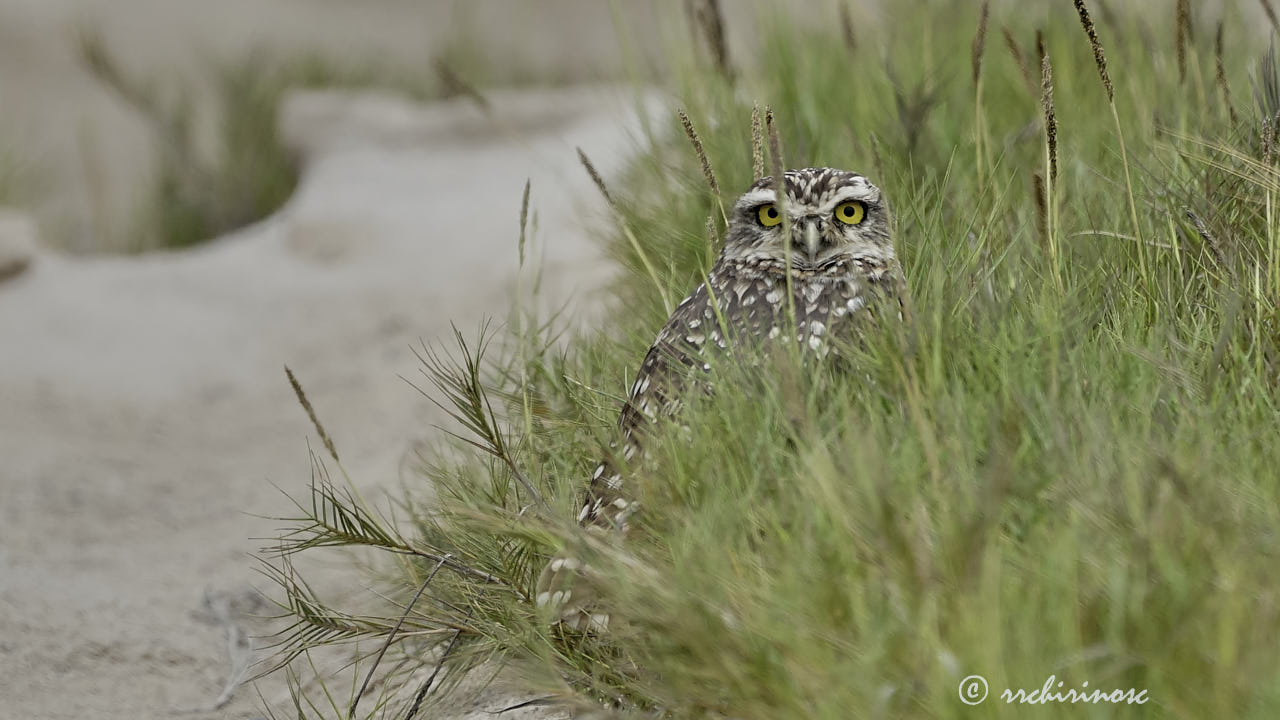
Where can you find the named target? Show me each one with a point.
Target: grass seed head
(846, 28)
(700, 151)
(1040, 197)
(775, 148)
(757, 143)
(980, 41)
(711, 20)
(1222, 75)
(595, 178)
(1046, 106)
(1099, 56)
(1018, 56)
(1181, 30)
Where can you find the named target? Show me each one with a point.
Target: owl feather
(805, 278)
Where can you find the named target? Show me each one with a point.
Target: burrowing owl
(835, 244)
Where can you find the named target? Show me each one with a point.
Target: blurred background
(112, 111)
(94, 92)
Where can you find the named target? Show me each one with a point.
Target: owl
(799, 264)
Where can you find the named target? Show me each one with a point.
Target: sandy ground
(143, 406)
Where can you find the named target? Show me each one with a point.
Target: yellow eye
(768, 215)
(851, 213)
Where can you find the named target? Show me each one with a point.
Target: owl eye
(768, 215)
(851, 213)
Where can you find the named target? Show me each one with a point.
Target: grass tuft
(200, 193)
(1061, 463)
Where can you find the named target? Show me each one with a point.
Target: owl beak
(812, 241)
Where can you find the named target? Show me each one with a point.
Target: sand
(144, 413)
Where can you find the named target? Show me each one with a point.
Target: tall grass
(201, 190)
(1064, 463)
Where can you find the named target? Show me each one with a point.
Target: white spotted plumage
(831, 270)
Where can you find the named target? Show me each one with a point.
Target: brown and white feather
(832, 269)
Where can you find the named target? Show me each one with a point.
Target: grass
(1063, 464)
(199, 193)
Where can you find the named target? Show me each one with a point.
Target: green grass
(1066, 463)
(197, 193)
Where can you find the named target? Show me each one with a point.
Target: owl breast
(758, 304)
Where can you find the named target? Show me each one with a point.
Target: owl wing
(751, 307)
(669, 369)
(745, 304)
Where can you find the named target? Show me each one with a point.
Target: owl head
(824, 219)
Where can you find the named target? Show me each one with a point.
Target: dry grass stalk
(652, 272)
(1222, 75)
(595, 178)
(780, 189)
(757, 143)
(13, 268)
(1018, 56)
(775, 149)
(1099, 57)
(1266, 140)
(1181, 32)
(524, 218)
(1046, 209)
(1270, 132)
(1041, 198)
(1046, 105)
(846, 28)
(1271, 14)
(1274, 135)
(311, 413)
(713, 238)
(701, 152)
(980, 41)
(1210, 240)
(454, 85)
(877, 157)
(711, 20)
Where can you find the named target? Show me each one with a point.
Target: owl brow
(759, 196)
(766, 195)
(862, 193)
